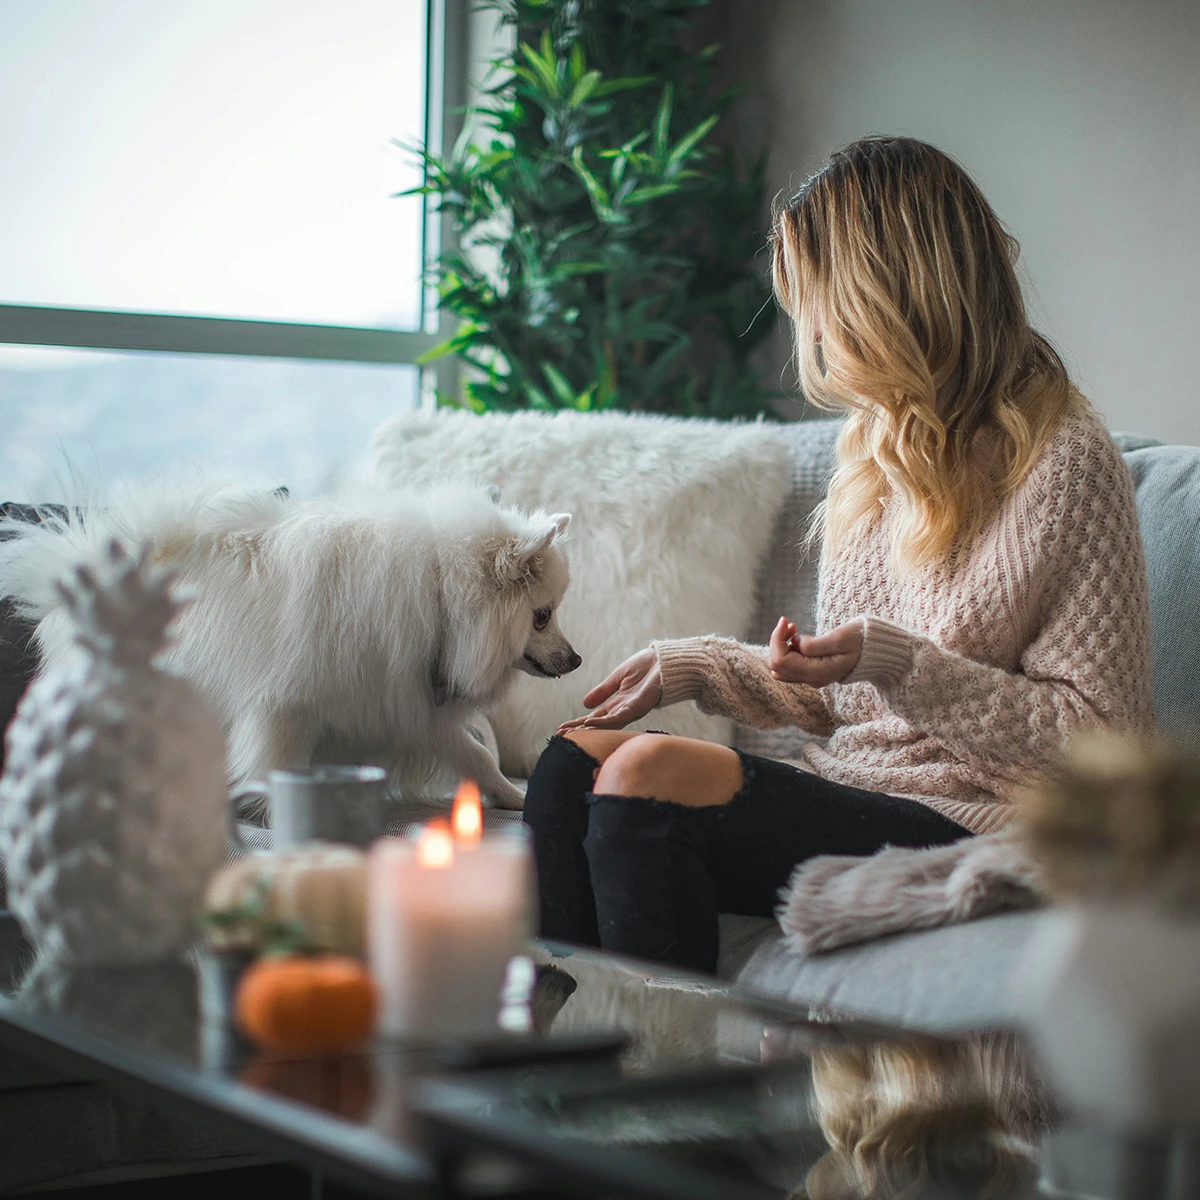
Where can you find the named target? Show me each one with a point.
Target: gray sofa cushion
(1167, 479)
(940, 980)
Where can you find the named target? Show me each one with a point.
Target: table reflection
(712, 1085)
(925, 1117)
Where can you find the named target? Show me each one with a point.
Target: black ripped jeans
(647, 878)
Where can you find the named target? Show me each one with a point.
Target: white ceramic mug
(328, 803)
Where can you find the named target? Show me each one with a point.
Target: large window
(202, 193)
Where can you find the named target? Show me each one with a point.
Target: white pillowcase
(670, 520)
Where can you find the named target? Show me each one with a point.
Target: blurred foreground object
(112, 802)
(1123, 821)
(319, 1005)
(312, 898)
(1115, 974)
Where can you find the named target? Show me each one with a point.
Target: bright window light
(107, 416)
(225, 158)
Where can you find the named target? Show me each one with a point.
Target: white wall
(1079, 118)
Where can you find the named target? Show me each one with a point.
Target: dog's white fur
(365, 627)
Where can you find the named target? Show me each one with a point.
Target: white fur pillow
(670, 520)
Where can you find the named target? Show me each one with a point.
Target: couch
(939, 980)
(958, 977)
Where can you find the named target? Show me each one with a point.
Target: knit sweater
(976, 670)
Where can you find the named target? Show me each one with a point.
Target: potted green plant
(607, 252)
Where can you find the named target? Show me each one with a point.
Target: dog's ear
(514, 559)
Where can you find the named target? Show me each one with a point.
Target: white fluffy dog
(362, 628)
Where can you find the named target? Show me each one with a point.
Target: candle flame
(435, 846)
(467, 815)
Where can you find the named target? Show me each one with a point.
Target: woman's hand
(629, 693)
(802, 658)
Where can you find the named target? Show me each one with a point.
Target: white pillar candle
(443, 920)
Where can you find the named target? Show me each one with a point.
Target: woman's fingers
(602, 718)
(629, 693)
(603, 690)
(815, 660)
(779, 644)
(626, 678)
(606, 721)
(844, 640)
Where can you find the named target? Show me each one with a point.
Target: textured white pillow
(670, 520)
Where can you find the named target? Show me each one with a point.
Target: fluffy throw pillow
(670, 520)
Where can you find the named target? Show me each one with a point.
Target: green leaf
(596, 193)
(543, 67)
(687, 143)
(571, 269)
(441, 350)
(577, 64)
(662, 121)
(538, 398)
(462, 338)
(611, 86)
(584, 88)
(474, 401)
(651, 192)
(563, 391)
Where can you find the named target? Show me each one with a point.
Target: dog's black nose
(573, 662)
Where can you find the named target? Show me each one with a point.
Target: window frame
(98, 329)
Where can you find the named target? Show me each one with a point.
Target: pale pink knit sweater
(974, 672)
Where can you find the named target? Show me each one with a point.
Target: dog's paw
(507, 796)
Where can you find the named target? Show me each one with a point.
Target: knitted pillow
(787, 584)
(670, 520)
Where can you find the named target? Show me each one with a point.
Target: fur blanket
(836, 901)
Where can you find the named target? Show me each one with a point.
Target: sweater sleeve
(729, 679)
(1084, 597)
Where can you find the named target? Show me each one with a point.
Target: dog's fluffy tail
(36, 554)
(36, 551)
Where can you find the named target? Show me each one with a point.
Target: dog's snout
(574, 661)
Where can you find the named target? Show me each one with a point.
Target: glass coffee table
(640, 1082)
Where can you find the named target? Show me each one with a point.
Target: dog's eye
(541, 618)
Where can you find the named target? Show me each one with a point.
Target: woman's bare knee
(600, 743)
(678, 770)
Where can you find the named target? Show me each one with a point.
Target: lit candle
(446, 911)
(466, 817)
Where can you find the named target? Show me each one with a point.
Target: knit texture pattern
(977, 669)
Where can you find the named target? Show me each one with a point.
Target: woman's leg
(676, 835)
(557, 815)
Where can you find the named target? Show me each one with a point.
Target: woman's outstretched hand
(629, 693)
(802, 658)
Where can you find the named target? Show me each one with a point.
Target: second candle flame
(435, 846)
(466, 818)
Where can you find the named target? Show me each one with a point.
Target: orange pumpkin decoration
(317, 1005)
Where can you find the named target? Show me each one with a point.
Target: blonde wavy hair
(900, 283)
(900, 1117)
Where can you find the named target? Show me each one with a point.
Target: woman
(983, 593)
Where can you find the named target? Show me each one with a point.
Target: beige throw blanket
(836, 901)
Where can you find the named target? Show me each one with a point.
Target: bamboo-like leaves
(606, 249)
